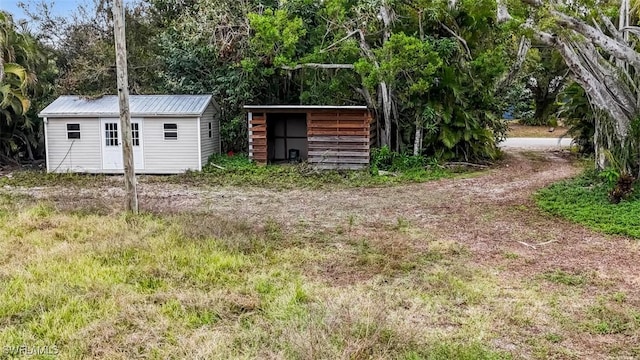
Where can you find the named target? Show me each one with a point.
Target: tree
(22, 57)
(544, 75)
(84, 49)
(461, 117)
(408, 64)
(429, 70)
(604, 61)
(205, 49)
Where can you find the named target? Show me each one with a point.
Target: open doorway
(287, 137)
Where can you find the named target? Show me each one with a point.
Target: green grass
(34, 178)
(585, 201)
(239, 171)
(562, 277)
(606, 317)
(203, 285)
(200, 285)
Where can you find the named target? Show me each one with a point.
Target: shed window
(73, 131)
(135, 134)
(171, 131)
(111, 134)
(210, 129)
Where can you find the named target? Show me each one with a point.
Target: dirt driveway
(491, 214)
(422, 204)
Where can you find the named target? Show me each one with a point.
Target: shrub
(385, 159)
(239, 170)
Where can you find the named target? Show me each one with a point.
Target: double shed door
(112, 143)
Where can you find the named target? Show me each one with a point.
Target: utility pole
(123, 99)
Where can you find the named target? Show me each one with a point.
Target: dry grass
(525, 131)
(200, 286)
(430, 271)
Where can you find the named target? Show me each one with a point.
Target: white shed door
(112, 144)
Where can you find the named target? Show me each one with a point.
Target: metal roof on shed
(139, 105)
(303, 107)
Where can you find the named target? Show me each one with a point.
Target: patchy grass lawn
(455, 269)
(585, 200)
(201, 286)
(239, 171)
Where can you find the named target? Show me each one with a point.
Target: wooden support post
(123, 98)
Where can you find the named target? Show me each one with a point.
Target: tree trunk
(394, 111)
(125, 117)
(384, 94)
(523, 50)
(29, 151)
(386, 114)
(604, 80)
(503, 13)
(387, 98)
(601, 162)
(1, 65)
(604, 92)
(544, 107)
(417, 144)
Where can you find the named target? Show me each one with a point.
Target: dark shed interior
(287, 137)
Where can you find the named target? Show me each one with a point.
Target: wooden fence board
(259, 141)
(361, 122)
(348, 146)
(320, 116)
(332, 153)
(338, 127)
(339, 166)
(339, 160)
(339, 139)
(340, 132)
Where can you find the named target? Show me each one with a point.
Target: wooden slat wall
(339, 139)
(258, 137)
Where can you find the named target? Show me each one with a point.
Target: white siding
(78, 155)
(210, 145)
(170, 156)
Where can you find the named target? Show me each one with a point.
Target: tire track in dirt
(491, 213)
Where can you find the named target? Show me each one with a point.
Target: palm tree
(20, 58)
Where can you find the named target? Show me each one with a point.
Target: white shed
(171, 133)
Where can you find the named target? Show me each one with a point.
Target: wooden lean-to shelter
(327, 137)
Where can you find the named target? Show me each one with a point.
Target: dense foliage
(598, 42)
(25, 83)
(427, 69)
(437, 74)
(534, 96)
(578, 115)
